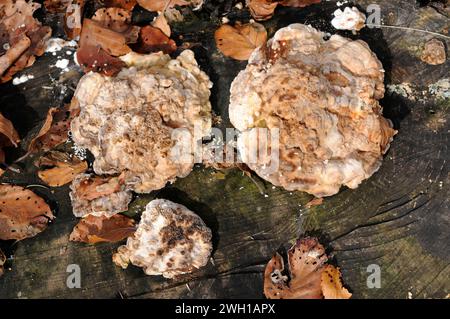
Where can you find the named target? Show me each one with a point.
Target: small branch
(409, 29)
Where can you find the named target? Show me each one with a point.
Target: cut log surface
(399, 219)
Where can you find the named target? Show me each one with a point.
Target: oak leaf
(23, 214)
(240, 41)
(96, 229)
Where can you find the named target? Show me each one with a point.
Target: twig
(409, 29)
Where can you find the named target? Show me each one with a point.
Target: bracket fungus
(322, 96)
(170, 240)
(128, 122)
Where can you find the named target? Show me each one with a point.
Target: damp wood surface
(399, 219)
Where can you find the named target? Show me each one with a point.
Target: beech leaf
(94, 229)
(308, 277)
(152, 39)
(64, 168)
(331, 283)
(240, 41)
(23, 214)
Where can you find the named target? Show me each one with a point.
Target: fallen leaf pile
(59, 168)
(262, 10)
(23, 214)
(240, 41)
(96, 229)
(2, 262)
(8, 136)
(309, 276)
(22, 37)
(110, 35)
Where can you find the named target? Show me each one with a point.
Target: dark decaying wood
(398, 219)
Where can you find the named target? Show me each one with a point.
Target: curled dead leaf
(55, 129)
(23, 214)
(22, 37)
(93, 229)
(240, 41)
(331, 284)
(8, 136)
(124, 4)
(309, 276)
(59, 168)
(152, 39)
(305, 259)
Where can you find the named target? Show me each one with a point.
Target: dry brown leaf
(161, 23)
(298, 3)
(160, 5)
(23, 214)
(93, 33)
(117, 20)
(314, 202)
(61, 168)
(92, 229)
(331, 283)
(56, 6)
(25, 36)
(2, 262)
(100, 46)
(152, 39)
(8, 136)
(73, 18)
(124, 4)
(55, 129)
(240, 41)
(262, 10)
(305, 259)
